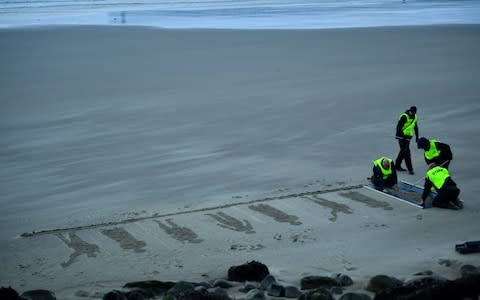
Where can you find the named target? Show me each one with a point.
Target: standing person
(447, 191)
(384, 174)
(435, 152)
(406, 126)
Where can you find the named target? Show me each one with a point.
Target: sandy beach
(134, 153)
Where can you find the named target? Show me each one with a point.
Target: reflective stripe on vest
(437, 176)
(385, 172)
(432, 151)
(407, 128)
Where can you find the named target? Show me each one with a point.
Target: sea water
(240, 14)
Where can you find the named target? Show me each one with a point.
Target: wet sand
(140, 153)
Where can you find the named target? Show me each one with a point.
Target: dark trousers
(404, 154)
(445, 195)
(380, 183)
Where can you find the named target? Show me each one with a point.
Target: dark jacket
(445, 154)
(428, 186)
(378, 180)
(401, 122)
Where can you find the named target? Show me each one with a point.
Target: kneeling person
(447, 191)
(384, 174)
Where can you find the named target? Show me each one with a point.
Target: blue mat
(407, 192)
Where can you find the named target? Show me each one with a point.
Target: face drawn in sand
(335, 207)
(276, 214)
(125, 239)
(79, 247)
(356, 196)
(232, 223)
(182, 234)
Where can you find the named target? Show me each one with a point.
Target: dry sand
(258, 145)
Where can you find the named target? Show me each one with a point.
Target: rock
(39, 295)
(267, 282)
(338, 290)
(204, 285)
(223, 283)
(317, 294)
(135, 295)
(199, 295)
(313, 282)
(424, 273)
(255, 294)
(9, 294)
(247, 288)
(114, 295)
(276, 290)
(217, 291)
(252, 271)
(151, 288)
(183, 290)
(467, 270)
(343, 279)
(180, 288)
(355, 296)
(422, 281)
(459, 289)
(292, 291)
(381, 282)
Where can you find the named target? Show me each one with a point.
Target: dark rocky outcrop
(9, 294)
(343, 279)
(259, 284)
(39, 295)
(467, 287)
(317, 294)
(115, 295)
(313, 282)
(251, 271)
(355, 296)
(381, 282)
(150, 288)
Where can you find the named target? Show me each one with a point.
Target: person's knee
(439, 204)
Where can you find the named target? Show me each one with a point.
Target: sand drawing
(171, 214)
(239, 247)
(232, 223)
(79, 247)
(335, 207)
(125, 239)
(276, 214)
(356, 196)
(183, 234)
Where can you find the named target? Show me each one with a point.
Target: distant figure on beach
(435, 152)
(384, 174)
(407, 124)
(447, 191)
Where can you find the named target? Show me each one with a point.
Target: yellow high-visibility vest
(432, 151)
(385, 172)
(437, 175)
(407, 128)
